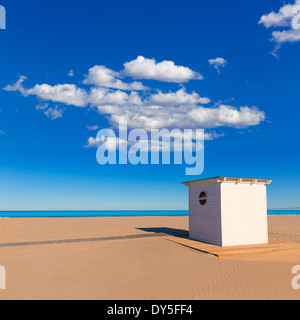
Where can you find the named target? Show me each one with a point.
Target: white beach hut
(228, 211)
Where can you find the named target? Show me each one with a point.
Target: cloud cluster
(284, 20)
(141, 107)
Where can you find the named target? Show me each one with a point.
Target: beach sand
(142, 268)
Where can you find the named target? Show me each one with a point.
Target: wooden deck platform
(217, 251)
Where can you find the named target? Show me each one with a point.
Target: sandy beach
(137, 268)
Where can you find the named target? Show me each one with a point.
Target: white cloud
(111, 142)
(176, 98)
(190, 139)
(64, 93)
(93, 142)
(282, 19)
(286, 36)
(167, 71)
(217, 63)
(104, 77)
(213, 135)
(104, 96)
(92, 128)
(18, 86)
(69, 94)
(51, 113)
(42, 106)
(226, 115)
(157, 117)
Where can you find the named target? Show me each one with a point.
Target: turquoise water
(283, 212)
(48, 214)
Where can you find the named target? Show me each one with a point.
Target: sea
(129, 213)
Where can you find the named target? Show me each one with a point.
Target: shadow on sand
(168, 231)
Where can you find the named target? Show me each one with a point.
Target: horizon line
(124, 210)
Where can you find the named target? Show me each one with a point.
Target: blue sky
(44, 164)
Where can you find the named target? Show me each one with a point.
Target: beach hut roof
(231, 179)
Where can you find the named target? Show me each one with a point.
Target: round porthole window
(203, 198)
